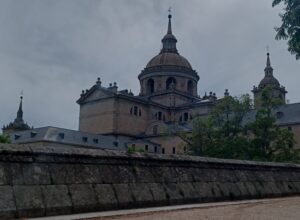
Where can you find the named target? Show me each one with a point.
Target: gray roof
(69, 137)
(285, 114)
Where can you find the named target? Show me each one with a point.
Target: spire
(169, 24)
(268, 69)
(20, 110)
(169, 41)
(268, 60)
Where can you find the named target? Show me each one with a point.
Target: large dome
(169, 59)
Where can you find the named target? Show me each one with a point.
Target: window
(184, 148)
(159, 116)
(61, 135)
(279, 114)
(290, 128)
(140, 112)
(155, 149)
(84, 139)
(135, 110)
(186, 116)
(155, 129)
(17, 136)
(190, 87)
(131, 111)
(171, 83)
(146, 147)
(33, 134)
(95, 140)
(116, 143)
(150, 86)
(174, 150)
(163, 150)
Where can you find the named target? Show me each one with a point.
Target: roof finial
(268, 60)
(20, 110)
(169, 25)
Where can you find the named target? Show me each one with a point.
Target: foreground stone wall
(40, 181)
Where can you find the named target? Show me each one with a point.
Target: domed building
(167, 101)
(277, 91)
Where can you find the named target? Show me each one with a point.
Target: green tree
(4, 138)
(226, 134)
(270, 142)
(219, 135)
(290, 27)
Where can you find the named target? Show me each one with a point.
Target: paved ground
(267, 209)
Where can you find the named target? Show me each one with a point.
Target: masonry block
(57, 199)
(159, 193)
(36, 174)
(29, 201)
(7, 203)
(124, 195)
(142, 194)
(106, 196)
(62, 173)
(87, 174)
(83, 198)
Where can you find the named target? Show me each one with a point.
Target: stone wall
(47, 180)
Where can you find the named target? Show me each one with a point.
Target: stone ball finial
(98, 82)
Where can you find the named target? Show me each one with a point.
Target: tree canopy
(226, 134)
(4, 138)
(290, 27)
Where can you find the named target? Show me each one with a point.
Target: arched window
(190, 87)
(150, 86)
(170, 83)
(155, 129)
(135, 110)
(186, 116)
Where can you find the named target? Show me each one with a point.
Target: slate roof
(285, 114)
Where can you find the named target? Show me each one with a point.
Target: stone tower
(270, 81)
(168, 71)
(18, 124)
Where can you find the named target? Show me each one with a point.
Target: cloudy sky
(53, 49)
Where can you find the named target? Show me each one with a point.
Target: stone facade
(168, 95)
(45, 180)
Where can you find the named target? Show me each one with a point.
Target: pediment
(96, 94)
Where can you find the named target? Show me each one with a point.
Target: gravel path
(285, 208)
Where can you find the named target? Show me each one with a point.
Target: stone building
(167, 102)
(168, 97)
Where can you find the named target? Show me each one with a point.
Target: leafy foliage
(290, 27)
(225, 134)
(4, 138)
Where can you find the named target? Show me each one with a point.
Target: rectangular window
(135, 110)
(95, 141)
(84, 139)
(290, 128)
(61, 135)
(174, 150)
(146, 147)
(155, 149)
(163, 150)
(33, 134)
(116, 143)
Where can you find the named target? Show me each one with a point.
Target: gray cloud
(54, 49)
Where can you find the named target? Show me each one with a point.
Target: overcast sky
(53, 49)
